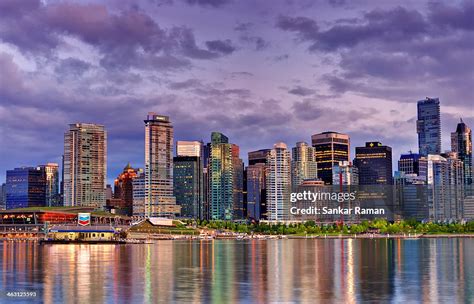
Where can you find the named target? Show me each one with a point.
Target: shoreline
(153, 239)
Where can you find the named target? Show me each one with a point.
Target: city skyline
(275, 72)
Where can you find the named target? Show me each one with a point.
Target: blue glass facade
(25, 187)
(187, 180)
(428, 126)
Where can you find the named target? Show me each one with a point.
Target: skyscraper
(303, 164)
(256, 184)
(461, 143)
(206, 155)
(221, 178)
(85, 165)
(374, 163)
(278, 183)
(428, 126)
(51, 171)
(238, 181)
(123, 189)
(187, 177)
(159, 198)
(445, 179)
(330, 148)
(25, 187)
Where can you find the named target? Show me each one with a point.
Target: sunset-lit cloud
(258, 71)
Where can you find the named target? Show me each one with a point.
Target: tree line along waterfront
(379, 226)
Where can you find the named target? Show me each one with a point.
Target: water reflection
(349, 271)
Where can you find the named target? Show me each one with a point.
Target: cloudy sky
(258, 71)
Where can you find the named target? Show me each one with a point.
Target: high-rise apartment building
(330, 149)
(428, 126)
(25, 187)
(445, 180)
(461, 143)
(374, 163)
(278, 183)
(239, 212)
(221, 178)
(51, 171)
(159, 198)
(303, 164)
(205, 210)
(85, 165)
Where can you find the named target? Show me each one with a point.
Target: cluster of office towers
(210, 181)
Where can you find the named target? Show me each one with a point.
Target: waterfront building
(461, 143)
(411, 195)
(344, 173)
(25, 187)
(428, 126)
(256, 184)
(159, 198)
(445, 180)
(221, 178)
(256, 191)
(409, 163)
(374, 163)
(139, 194)
(239, 212)
(205, 210)
(51, 172)
(278, 183)
(303, 164)
(187, 180)
(330, 149)
(123, 189)
(85, 165)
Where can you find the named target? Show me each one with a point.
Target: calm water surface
(342, 271)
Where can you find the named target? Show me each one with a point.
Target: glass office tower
(51, 171)
(25, 187)
(428, 126)
(187, 179)
(221, 178)
(374, 163)
(330, 149)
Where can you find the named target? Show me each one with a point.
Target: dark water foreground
(223, 271)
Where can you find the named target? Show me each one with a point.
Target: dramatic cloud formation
(259, 72)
